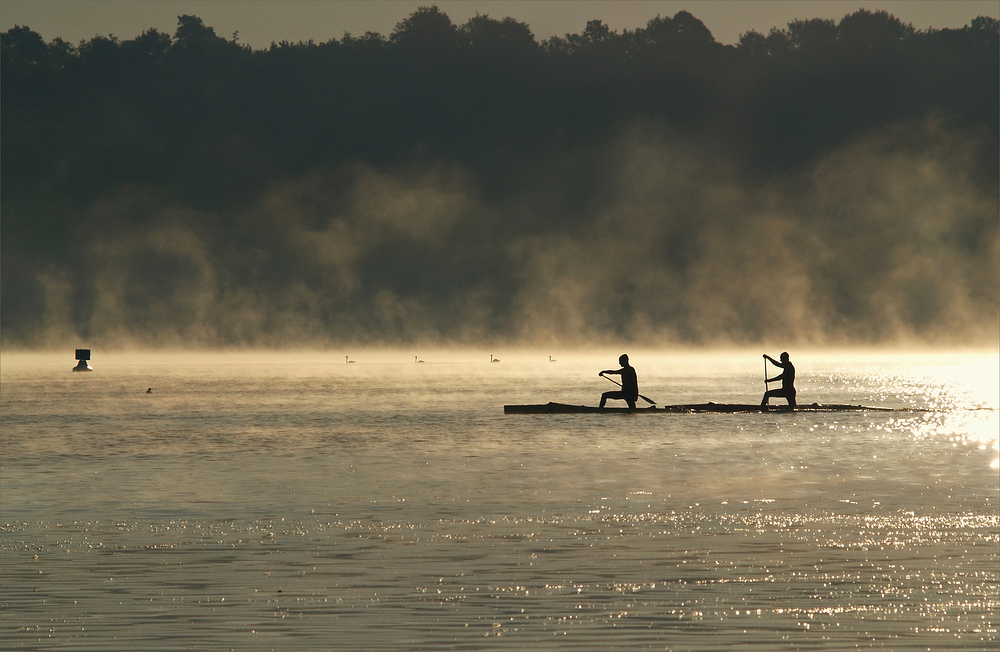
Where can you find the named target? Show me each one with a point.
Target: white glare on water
(297, 500)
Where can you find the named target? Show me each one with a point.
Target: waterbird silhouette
(550, 359)
(416, 359)
(492, 359)
(348, 360)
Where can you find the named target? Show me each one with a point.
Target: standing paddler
(787, 378)
(629, 384)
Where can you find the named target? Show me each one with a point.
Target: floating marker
(83, 355)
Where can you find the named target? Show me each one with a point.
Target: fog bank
(834, 183)
(885, 240)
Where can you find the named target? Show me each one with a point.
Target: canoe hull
(722, 408)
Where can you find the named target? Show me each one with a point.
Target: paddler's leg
(606, 395)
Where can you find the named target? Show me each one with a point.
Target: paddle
(648, 400)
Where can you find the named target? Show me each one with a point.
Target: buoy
(82, 356)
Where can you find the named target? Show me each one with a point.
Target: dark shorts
(628, 398)
(785, 392)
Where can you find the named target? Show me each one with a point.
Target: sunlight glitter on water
(278, 500)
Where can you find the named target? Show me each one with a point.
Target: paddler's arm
(780, 376)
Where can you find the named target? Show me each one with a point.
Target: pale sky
(261, 22)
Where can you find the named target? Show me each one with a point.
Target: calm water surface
(293, 501)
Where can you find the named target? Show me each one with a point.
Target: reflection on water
(280, 501)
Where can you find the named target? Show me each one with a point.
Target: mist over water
(888, 239)
(311, 277)
(829, 184)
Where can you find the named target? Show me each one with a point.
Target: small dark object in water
(149, 390)
(82, 356)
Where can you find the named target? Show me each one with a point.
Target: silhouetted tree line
(211, 123)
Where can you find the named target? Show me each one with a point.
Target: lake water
(258, 501)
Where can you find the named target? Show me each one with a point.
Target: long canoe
(563, 408)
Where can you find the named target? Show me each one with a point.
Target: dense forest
(828, 182)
